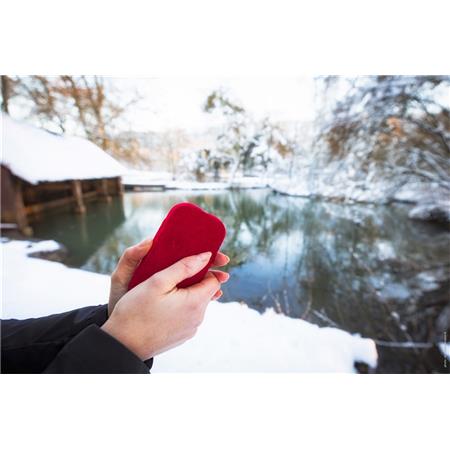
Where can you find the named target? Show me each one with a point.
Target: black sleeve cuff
(95, 351)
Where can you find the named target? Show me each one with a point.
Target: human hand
(155, 315)
(124, 270)
(127, 264)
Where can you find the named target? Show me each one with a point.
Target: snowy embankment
(445, 349)
(164, 180)
(145, 178)
(431, 202)
(232, 337)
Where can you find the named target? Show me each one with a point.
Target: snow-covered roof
(36, 155)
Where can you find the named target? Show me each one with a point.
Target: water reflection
(366, 269)
(82, 234)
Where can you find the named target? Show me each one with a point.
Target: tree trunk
(21, 217)
(6, 92)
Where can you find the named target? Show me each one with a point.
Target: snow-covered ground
(232, 337)
(33, 287)
(236, 338)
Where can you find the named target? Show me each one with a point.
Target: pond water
(363, 268)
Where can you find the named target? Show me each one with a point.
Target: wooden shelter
(41, 171)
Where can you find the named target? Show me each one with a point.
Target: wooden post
(119, 186)
(21, 217)
(102, 190)
(77, 193)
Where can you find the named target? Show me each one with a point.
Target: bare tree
(171, 145)
(6, 92)
(247, 142)
(398, 124)
(87, 103)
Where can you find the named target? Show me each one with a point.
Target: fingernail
(204, 256)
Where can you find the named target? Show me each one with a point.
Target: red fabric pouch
(187, 230)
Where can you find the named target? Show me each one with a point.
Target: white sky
(177, 102)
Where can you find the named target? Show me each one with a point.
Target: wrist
(124, 338)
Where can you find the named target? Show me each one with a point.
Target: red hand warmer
(187, 230)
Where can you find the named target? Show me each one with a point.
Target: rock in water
(435, 212)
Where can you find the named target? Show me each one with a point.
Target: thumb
(130, 259)
(165, 280)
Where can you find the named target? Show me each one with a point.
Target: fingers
(129, 260)
(218, 294)
(221, 260)
(167, 279)
(222, 277)
(205, 289)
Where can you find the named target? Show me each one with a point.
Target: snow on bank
(146, 178)
(196, 186)
(338, 187)
(237, 183)
(164, 180)
(251, 182)
(232, 338)
(445, 349)
(297, 188)
(439, 212)
(432, 202)
(42, 247)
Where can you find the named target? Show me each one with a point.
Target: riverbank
(429, 201)
(233, 338)
(147, 180)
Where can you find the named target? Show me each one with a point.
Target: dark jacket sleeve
(70, 342)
